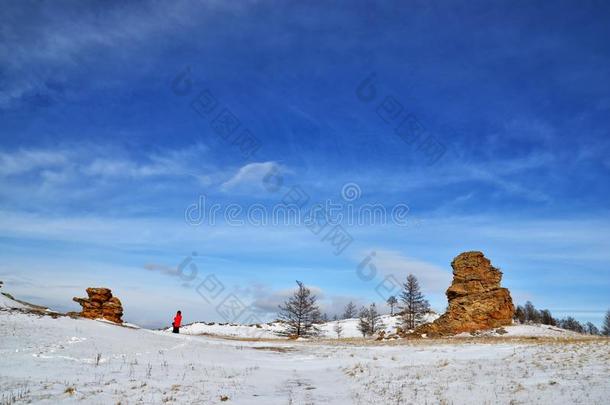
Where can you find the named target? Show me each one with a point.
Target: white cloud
(55, 165)
(27, 160)
(80, 175)
(431, 277)
(165, 233)
(174, 162)
(125, 168)
(267, 302)
(249, 178)
(60, 42)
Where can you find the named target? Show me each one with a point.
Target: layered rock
(476, 300)
(101, 304)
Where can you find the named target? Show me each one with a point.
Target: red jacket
(177, 321)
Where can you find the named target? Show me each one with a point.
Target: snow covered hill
(8, 303)
(536, 330)
(270, 330)
(350, 329)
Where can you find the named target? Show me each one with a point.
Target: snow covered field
(47, 360)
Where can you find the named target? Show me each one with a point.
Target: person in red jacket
(177, 321)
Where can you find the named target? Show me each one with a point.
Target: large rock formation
(101, 304)
(476, 300)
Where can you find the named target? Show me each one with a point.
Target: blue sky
(99, 157)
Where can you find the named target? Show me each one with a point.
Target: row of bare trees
(528, 313)
(301, 314)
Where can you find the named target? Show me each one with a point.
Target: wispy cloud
(60, 43)
(63, 175)
(93, 160)
(40, 34)
(249, 178)
(390, 262)
(23, 161)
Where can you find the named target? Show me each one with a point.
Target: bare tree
(350, 311)
(572, 324)
(546, 318)
(531, 313)
(606, 326)
(519, 314)
(375, 324)
(363, 322)
(414, 305)
(392, 301)
(591, 329)
(369, 322)
(300, 312)
(338, 330)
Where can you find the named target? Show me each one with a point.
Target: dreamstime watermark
(404, 123)
(367, 272)
(223, 121)
(214, 292)
(288, 212)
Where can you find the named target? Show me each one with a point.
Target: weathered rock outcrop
(101, 304)
(476, 300)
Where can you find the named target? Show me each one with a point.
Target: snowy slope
(7, 303)
(46, 360)
(525, 331)
(270, 330)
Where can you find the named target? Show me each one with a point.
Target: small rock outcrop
(101, 304)
(476, 300)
